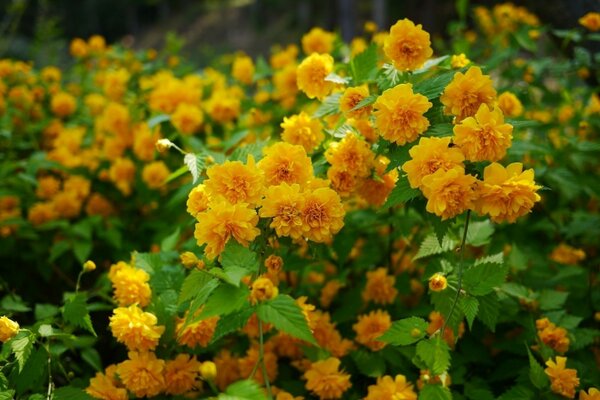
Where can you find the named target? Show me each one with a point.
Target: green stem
(78, 280)
(460, 272)
(50, 383)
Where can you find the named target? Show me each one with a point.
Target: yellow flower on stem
(322, 214)
(243, 69)
(142, 374)
(371, 326)
(235, 182)
(325, 380)
(563, 380)
(591, 21)
(311, 75)
(380, 287)
(106, 386)
(284, 203)
(135, 328)
(130, 285)
(510, 104)
(350, 99)
(437, 282)
(187, 118)
(181, 374)
(407, 45)
(318, 40)
(8, 328)
(467, 92)
(285, 163)
(303, 130)
(391, 388)
(449, 193)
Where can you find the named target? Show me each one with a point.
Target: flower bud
(8, 328)
(163, 145)
(89, 266)
(189, 259)
(208, 370)
(263, 289)
(437, 282)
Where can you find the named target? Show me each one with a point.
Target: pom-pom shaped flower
(155, 174)
(567, 255)
(243, 69)
(106, 386)
(351, 98)
(322, 214)
(235, 182)
(196, 333)
(197, 201)
(399, 114)
(181, 374)
(222, 222)
(130, 285)
(380, 287)
(407, 45)
(552, 336)
(563, 380)
(301, 129)
(430, 155)
(352, 154)
(142, 374)
(591, 21)
(391, 388)
(506, 193)
(187, 118)
(135, 328)
(311, 75)
(370, 326)
(262, 290)
(63, 104)
(449, 193)
(485, 136)
(317, 40)
(467, 92)
(284, 203)
(325, 380)
(510, 104)
(285, 163)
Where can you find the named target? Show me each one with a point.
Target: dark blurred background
(40, 29)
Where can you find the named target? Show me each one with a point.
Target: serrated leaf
(552, 299)
(76, 313)
(238, 261)
(430, 64)
(583, 337)
(191, 162)
(401, 193)
(480, 233)
(435, 353)
(482, 279)
(232, 322)
(368, 363)
(45, 330)
(364, 65)
(70, 393)
(14, 303)
(491, 259)
(431, 246)
(224, 300)
(7, 395)
(21, 346)
(435, 392)
(405, 331)
(433, 87)
(536, 372)
(331, 105)
(200, 299)
(255, 149)
(388, 77)
(440, 130)
(517, 393)
(193, 285)
(469, 306)
(489, 310)
(284, 314)
(243, 390)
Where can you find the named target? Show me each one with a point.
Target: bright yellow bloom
(181, 374)
(8, 328)
(285, 57)
(142, 374)
(371, 326)
(399, 114)
(380, 287)
(567, 255)
(484, 137)
(99, 205)
(78, 48)
(591, 21)
(430, 155)
(144, 141)
(325, 380)
(562, 379)
(350, 99)
(95, 103)
(243, 69)
(284, 203)
(459, 61)
(223, 221)
(208, 370)
(506, 193)
(155, 174)
(467, 92)
(510, 104)
(130, 285)
(197, 201)
(198, 333)
(301, 129)
(388, 388)
(105, 386)
(322, 214)
(352, 154)
(408, 45)
(592, 394)
(187, 118)
(235, 182)
(437, 282)
(41, 213)
(115, 83)
(552, 336)
(63, 104)
(285, 163)
(286, 87)
(89, 266)
(48, 186)
(376, 189)
(317, 40)
(135, 328)
(122, 174)
(67, 204)
(228, 370)
(327, 336)
(449, 193)
(262, 290)
(311, 75)
(329, 292)
(357, 46)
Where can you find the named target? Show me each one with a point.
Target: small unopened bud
(89, 266)
(189, 259)
(163, 145)
(8, 328)
(263, 289)
(208, 370)
(415, 332)
(437, 283)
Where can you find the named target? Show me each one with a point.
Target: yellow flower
(371, 326)
(430, 155)
(274, 264)
(325, 380)
(318, 40)
(63, 104)
(380, 287)
(197, 201)
(189, 259)
(350, 99)
(130, 285)
(284, 203)
(99, 205)
(506, 193)
(449, 193)
(105, 386)
(592, 394)
(223, 221)
(568, 255)
(563, 381)
(180, 374)
(311, 75)
(459, 61)
(322, 214)
(235, 182)
(89, 266)
(357, 46)
(463, 96)
(227, 367)
(208, 370)
(329, 292)
(224, 106)
(301, 129)
(552, 336)
(484, 137)
(285, 163)
(198, 333)
(95, 103)
(48, 187)
(243, 69)
(351, 154)
(399, 114)
(247, 363)
(437, 282)
(262, 290)
(41, 213)
(408, 45)
(285, 85)
(436, 322)
(122, 174)
(285, 57)
(135, 328)
(155, 174)
(67, 204)
(376, 189)
(78, 48)
(8, 328)
(327, 336)
(391, 388)
(591, 21)
(142, 374)
(510, 104)
(187, 118)
(115, 83)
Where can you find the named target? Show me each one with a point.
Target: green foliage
(405, 331)
(435, 353)
(75, 312)
(284, 314)
(243, 390)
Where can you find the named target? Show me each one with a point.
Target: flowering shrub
(363, 221)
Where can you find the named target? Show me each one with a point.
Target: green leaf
(331, 105)
(7, 395)
(238, 261)
(367, 101)
(149, 262)
(335, 78)
(480, 233)
(583, 337)
(405, 331)
(76, 313)
(194, 284)
(401, 193)
(82, 249)
(536, 372)
(429, 64)
(71, 393)
(552, 299)
(45, 330)
(431, 246)
(224, 300)
(469, 306)
(14, 303)
(283, 313)
(242, 152)
(491, 259)
(43, 311)
(92, 357)
(368, 363)
(440, 130)
(232, 322)
(170, 241)
(21, 346)
(243, 390)
(489, 310)
(435, 392)
(435, 353)
(517, 393)
(481, 279)
(158, 119)
(58, 249)
(388, 77)
(398, 155)
(364, 65)
(433, 87)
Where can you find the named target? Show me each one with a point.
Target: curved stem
(460, 272)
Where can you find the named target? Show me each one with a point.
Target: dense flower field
(385, 219)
